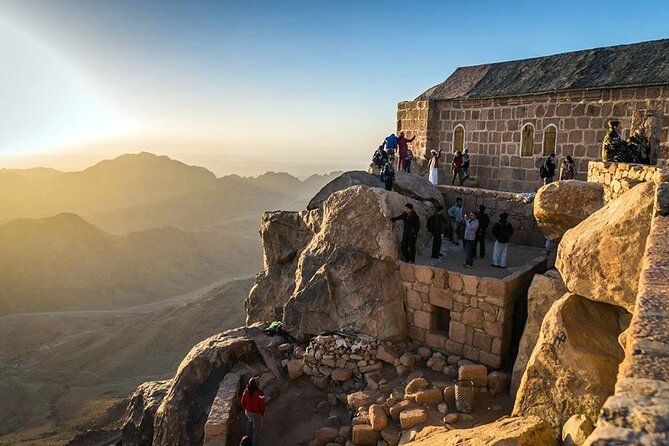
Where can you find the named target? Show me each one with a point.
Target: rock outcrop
(574, 364)
(418, 188)
(343, 181)
(561, 205)
(175, 411)
(511, 431)
(345, 275)
(543, 292)
(601, 257)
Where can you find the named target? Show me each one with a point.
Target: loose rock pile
(344, 359)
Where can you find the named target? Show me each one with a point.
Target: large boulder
(417, 187)
(175, 411)
(347, 276)
(544, 290)
(574, 364)
(601, 257)
(343, 181)
(561, 205)
(509, 431)
(284, 235)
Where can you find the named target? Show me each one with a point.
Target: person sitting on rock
(253, 402)
(502, 231)
(410, 233)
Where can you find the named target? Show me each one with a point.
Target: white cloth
(434, 173)
(499, 251)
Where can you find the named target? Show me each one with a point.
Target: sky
(249, 86)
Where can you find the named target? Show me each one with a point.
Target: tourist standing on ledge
(547, 169)
(568, 171)
(502, 231)
(403, 144)
(465, 164)
(407, 161)
(433, 166)
(456, 167)
(455, 215)
(390, 146)
(469, 239)
(436, 224)
(410, 233)
(387, 175)
(640, 145)
(253, 402)
(484, 222)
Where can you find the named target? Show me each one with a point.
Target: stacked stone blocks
(618, 178)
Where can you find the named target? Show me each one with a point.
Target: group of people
(548, 168)
(635, 150)
(471, 229)
(394, 155)
(460, 166)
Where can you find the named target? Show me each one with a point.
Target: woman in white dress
(433, 165)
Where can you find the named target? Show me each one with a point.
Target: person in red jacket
(403, 144)
(253, 402)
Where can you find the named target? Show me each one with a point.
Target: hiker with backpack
(469, 238)
(484, 222)
(403, 145)
(387, 175)
(390, 146)
(502, 231)
(547, 169)
(253, 402)
(436, 224)
(410, 232)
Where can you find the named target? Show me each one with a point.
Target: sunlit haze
(252, 86)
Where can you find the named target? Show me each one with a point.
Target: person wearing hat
(456, 167)
(502, 231)
(433, 166)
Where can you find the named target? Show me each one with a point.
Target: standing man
(390, 145)
(465, 165)
(484, 222)
(410, 233)
(455, 215)
(502, 231)
(456, 167)
(547, 169)
(403, 144)
(469, 239)
(436, 224)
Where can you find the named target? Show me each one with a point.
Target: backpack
(430, 224)
(543, 171)
(387, 173)
(377, 159)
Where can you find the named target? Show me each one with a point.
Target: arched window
(550, 136)
(527, 140)
(458, 138)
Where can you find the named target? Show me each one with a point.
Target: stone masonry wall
(481, 309)
(638, 412)
(618, 178)
(518, 206)
(493, 130)
(412, 118)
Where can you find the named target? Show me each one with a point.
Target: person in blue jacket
(390, 146)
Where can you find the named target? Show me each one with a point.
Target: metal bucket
(464, 395)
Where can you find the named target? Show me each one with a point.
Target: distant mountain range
(130, 230)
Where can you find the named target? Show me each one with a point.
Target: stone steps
(222, 410)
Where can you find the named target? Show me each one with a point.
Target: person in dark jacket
(484, 222)
(253, 402)
(387, 175)
(437, 225)
(640, 145)
(549, 169)
(502, 231)
(410, 233)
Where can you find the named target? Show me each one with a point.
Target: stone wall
(480, 310)
(493, 130)
(638, 412)
(518, 206)
(618, 178)
(412, 118)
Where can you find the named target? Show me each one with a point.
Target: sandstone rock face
(574, 364)
(138, 426)
(345, 275)
(344, 181)
(418, 188)
(511, 431)
(601, 257)
(543, 292)
(576, 430)
(179, 407)
(561, 205)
